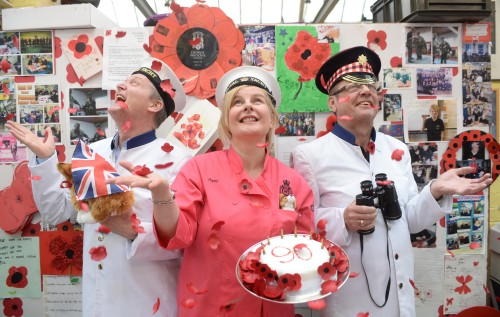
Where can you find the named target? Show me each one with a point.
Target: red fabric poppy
(245, 186)
(17, 277)
(326, 270)
(66, 254)
(65, 226)
(286, 281)
(80, 46)
(13, 307)
(98, 253)
(376, 38)
(329, 287)
(103, 229)
(322, 224)
(371, 147)
(198, 29)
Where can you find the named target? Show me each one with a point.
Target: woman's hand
(41, 147)
(159, 186)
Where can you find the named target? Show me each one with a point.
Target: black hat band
(250, 81)
(156, 81)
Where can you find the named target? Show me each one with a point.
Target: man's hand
(359, 217)
(451, 183)
(41, 147)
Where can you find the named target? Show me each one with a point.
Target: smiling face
(353, 108)
(250, 114)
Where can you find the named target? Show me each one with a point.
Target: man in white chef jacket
(334, 166)
(136, 277)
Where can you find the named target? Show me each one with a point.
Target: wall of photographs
(437, 80)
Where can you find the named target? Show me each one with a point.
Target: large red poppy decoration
(305, 56)
(17, 277)
(80, 46)
(13, 307)
(66, 254)
(376, 39)
(200, 44)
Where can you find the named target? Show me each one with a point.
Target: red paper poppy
(17, 277)
(396, 61)
(245, 186)
(200, 44)
(322, 224)
(66, 254)
(305, 56)
(286, 281)
(329, 287)
(31, 230)
(98, 253)
(13, 307)
(326, 270)
(376, 38)
(80, 46)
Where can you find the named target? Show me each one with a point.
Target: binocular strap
(388, 288)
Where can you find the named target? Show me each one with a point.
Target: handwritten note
(19, 267)
(61, 297)
(464, 282)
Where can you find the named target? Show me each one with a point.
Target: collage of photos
(296, 124)
(39, 108)
(260, 46)
(88, 114)
(27, 53)
(430, 121)
(432, 45)
(477, 95)
(424, 162)
(465, 225)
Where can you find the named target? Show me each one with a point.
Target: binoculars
(384, 197)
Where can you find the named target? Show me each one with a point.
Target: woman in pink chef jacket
(222, 203)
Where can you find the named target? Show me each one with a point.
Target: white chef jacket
(134, 275)
(334, 168)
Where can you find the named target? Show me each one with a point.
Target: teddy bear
(287, 202)
(99, 208)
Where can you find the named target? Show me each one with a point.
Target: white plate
(296, 299)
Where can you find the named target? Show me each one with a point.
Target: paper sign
(84, 55)
(61, 297)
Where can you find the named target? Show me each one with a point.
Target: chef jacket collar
(136, 141)
(347, 136)
(236, 163)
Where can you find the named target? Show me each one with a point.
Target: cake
(292, 268)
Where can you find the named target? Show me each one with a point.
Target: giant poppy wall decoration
(200, 44)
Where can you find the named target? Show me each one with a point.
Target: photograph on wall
(11, 151)
(397, 78)
(473, 150)
(88, 129)
(9, 51)
(476, 72)
(88, 102)
(394, 129)
(392, 108)
(8, 110)
(477, 104)
(37, 52)
(465, 225)
(295, 73)
(260, 46)
(418, 45)
(434, 81)
(12, 66)
(296, 124)
(425, 238)
(477, 44)
(424, 161)
(481, 167)
(446, 42)
(431, 120)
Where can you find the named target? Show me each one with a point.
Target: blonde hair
(223, 127)
(434, 107)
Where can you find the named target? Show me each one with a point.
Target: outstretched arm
(451, 183)
(41, 147)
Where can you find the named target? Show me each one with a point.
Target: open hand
(451, 183)
(41, 147)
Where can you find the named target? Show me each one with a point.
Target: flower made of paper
(80, 47)
(17, 277)
(13, 307)
(306, 55)
(376, 38)
(200, 44)
(66, 254)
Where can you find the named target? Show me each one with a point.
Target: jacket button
(99, 266)
(396, 256)
(400, 285)
(100, 237)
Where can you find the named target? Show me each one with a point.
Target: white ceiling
(125, 14)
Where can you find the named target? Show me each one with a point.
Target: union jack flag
(90, 171)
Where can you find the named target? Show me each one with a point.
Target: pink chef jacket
(209, 190)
